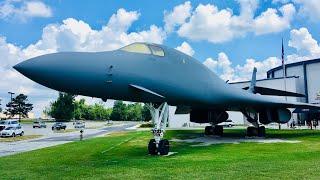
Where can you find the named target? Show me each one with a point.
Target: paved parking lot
(51, 138)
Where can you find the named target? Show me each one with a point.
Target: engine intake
(275, 115)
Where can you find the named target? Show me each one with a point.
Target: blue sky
(229, 36)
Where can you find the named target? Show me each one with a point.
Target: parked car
(12, 131)
(39, 124)
(227, 123)
(79, 125)
(59, 126)
(8, 123)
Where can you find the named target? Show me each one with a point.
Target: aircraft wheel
(163, 148)
(262, 131)
(208, 130)
(252, 131)
(218, 130)
(152, 147)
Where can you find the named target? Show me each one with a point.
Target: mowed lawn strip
(124, 156)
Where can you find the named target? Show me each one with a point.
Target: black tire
(52, 129)
(152, 147)
(34, 127)
(218, 130)
(164, 147)
(262, 131)
(22, 133)
(252, 131)
(208, 130)
(13, 135)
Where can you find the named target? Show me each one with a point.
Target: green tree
(119, 111)
(63, 108)
(80, 109)
(19, 106)
(146, 116)
(134, 112)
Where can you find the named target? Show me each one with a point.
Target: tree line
(66, 108)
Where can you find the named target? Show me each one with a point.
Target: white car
(227, 123)
(8, 123)
(79, 125)
(12, 131)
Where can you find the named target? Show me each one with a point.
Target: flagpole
(284, 70)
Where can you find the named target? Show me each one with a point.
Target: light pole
(11, 93)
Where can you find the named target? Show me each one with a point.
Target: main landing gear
(255, 130)
(213, 130)
(160, 118)
(259, 131)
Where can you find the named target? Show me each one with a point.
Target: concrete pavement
(52, 139)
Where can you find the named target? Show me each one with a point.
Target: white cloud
(23, 10)
(224, 68)
(186, 48)
(309, 8)
(303, 42)
(221, 66)
(71, 35)
(300, 39)
(177, 17)
(270, 22)
(209, 23)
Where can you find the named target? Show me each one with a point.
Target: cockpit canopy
(144, 48)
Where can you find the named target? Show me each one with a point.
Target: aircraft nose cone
(22, 67)
(29, 68)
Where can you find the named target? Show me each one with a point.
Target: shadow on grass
(238, 133)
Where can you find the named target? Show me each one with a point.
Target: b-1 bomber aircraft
(160, 76)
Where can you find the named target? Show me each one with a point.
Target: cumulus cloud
(186, 48)
(209, 23)
(70, 35)
(309, 8)
(303, 42)
(300, 39)
(23, 10)
(177, 16)
(270, 22)
(223, 67)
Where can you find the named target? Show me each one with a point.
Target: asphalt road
(9, 148)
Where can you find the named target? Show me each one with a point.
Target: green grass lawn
(124, 156)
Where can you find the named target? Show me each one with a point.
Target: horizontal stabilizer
(273, 92)
(145, 90)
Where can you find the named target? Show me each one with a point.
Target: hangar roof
(294, 64)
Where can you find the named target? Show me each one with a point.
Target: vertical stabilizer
(253, 80)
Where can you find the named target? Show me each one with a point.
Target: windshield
(8, 128)
(3, 122)
(137, 48)
(156, 50)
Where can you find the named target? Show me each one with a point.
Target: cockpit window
(137, 48)
(156, 50)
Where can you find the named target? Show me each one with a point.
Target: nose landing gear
(160, 118)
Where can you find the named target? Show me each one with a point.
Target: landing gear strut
(160, 118)
(254, 130)
(213, 130)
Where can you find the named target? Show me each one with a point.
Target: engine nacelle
(275, 115)
(207, 116)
